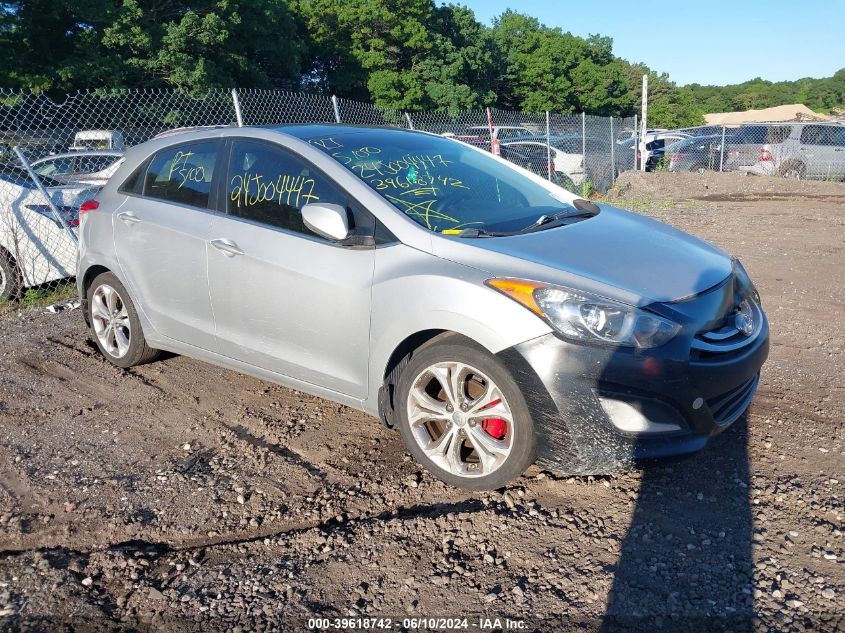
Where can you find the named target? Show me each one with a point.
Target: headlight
(587, 318)
(744, 286)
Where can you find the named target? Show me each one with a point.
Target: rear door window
(778, 134)
(183, 174)
(753, 134)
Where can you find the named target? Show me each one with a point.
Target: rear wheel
(10, 277)
(793, 170)
(115, 324)
(463, 417)
(698, 169)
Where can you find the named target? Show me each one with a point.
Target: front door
(160, 238)
(285, 299)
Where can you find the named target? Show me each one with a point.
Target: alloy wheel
(111, 321)
(460, 419)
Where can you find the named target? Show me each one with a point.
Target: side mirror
(326, 220)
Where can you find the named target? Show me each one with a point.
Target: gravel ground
(179, 496)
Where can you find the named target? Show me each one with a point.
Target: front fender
(415, 291)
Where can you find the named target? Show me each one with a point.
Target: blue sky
(715, 42)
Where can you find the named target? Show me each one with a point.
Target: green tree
(192, 44)
(408, 54)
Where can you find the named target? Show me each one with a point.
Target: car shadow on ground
(686, 561)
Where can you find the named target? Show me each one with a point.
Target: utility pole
(644, 124)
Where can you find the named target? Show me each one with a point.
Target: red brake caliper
(496, 428)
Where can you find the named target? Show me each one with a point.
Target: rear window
(182, 174)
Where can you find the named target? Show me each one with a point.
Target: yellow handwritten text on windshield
(184, 171)
(249, 189)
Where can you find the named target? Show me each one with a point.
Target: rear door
(285, 299)
(161, 232)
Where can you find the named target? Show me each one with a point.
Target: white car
(502, 133)
(35, 247)
(91, 168)
(97, 139)
(791, 150)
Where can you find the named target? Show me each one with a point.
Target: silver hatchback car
(490, 316)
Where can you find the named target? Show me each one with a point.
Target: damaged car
(493, 318)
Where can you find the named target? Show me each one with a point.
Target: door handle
(227, 247)
(128, 217)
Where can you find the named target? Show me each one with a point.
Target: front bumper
(689, 396)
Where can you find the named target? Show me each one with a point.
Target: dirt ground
(179, 496)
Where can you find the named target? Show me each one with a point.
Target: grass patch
(40, 297)
(647, 203)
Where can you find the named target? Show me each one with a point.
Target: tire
(10, 278)
(793, 170)
(445, 439)
(700, 168)
(123, 344)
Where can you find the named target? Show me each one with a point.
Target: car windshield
(442, 184)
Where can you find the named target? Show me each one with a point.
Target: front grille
(727, 338)
(727, 407)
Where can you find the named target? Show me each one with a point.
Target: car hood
(616, 254)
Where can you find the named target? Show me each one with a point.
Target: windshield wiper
(584, 208)
(475, 232)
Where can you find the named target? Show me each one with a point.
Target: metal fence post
(612, 153)
(237, 103)
(644, 123)
(548, 147)
(584, 140)
(636, 142)
(408, 119)
(336, 107)
(722, 150)
(59, 217)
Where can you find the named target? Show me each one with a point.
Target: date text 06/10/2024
(417, 624)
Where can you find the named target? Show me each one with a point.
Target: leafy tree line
(410, 55)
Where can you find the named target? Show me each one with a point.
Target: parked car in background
(88, 167)
(35, 247)
(490, 316)
(792, 150)
(568, 158)
(699, 153)
(655, 147)
(500, 132)
(97, 139)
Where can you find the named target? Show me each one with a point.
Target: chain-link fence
(801, 150)
(53, 156)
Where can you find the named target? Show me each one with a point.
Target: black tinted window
(183, 173)
(753, 134)
(823, 135)
(779, 133)
(270, 185)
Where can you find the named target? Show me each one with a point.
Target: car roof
(97, 152)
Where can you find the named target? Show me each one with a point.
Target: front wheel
(463, 417)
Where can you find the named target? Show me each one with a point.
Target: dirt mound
(715, 186)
